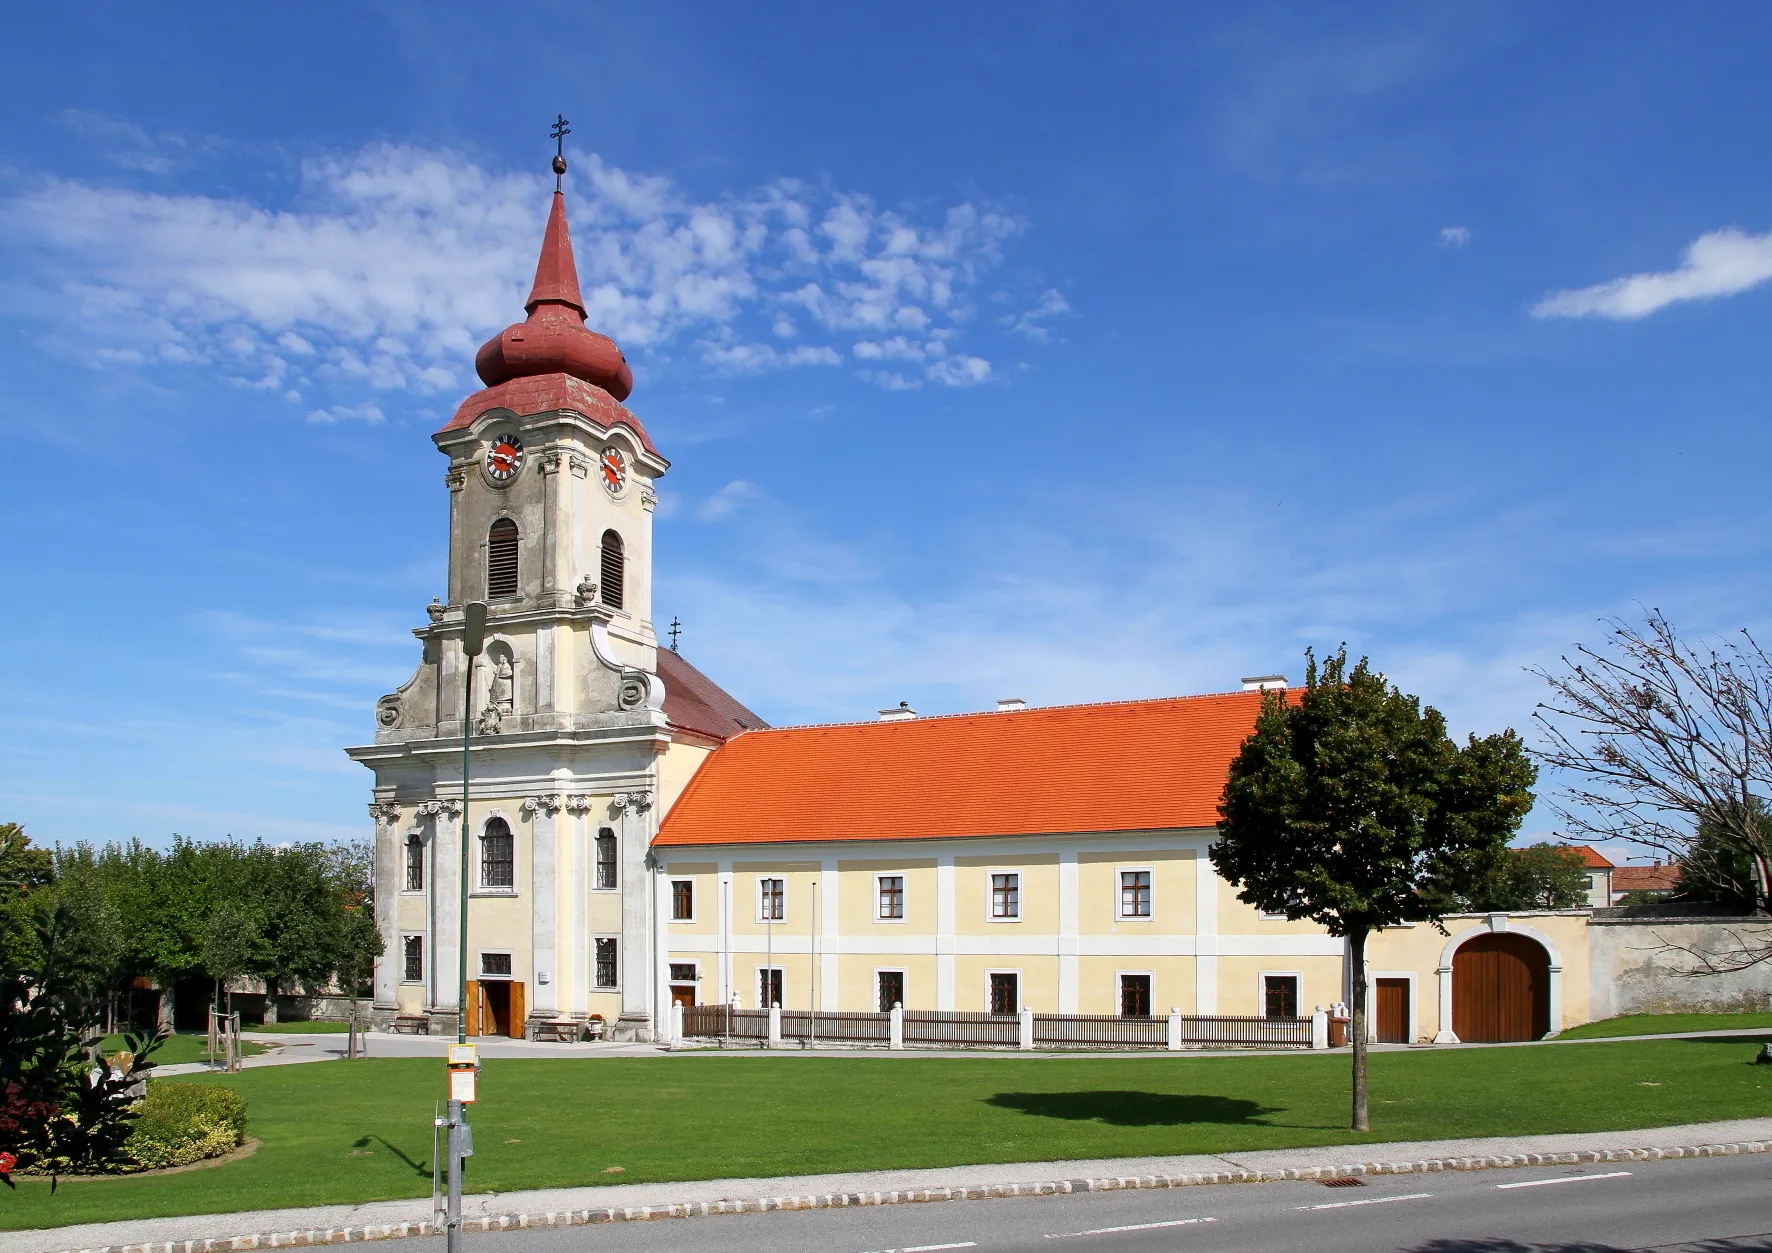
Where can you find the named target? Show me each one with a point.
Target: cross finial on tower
(558, 133)
(676, 630)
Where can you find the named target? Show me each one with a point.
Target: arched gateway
(1500, 989)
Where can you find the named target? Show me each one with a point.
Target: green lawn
(302, 1028)
(360, 1131)
(1663, 1024)
(178, 1049)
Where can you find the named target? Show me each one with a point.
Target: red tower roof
(554, 339)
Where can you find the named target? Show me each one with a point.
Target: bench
(560, 1030)
(412, 1024)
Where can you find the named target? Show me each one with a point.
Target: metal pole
(812, 1006)
(473, 625)
(769, 950)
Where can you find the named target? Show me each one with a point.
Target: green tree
(1539, 876)
(23, 870)
(1716, 868)
(1349, 805)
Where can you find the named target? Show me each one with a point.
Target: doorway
(497, 1007)
(1393, 1011)
(1500, 989)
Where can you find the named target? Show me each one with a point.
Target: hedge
(180, 1123)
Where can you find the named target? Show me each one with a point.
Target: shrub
(180, 1123)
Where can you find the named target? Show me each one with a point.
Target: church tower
(576, 740)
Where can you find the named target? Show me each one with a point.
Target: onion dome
(554, 338)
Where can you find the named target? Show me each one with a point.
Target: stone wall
(1638, 966)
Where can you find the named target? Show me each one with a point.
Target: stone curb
(910, 1196)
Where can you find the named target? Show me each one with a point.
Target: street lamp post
(460, 1140)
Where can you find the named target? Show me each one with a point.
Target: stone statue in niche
(501, 674)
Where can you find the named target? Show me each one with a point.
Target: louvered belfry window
(501, 559)
(614, 569)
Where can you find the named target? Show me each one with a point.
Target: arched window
(501, 559)
(605, 858)
(415, 863)
(614, 569)
(498, 867)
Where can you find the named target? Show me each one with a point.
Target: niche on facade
(500, 672)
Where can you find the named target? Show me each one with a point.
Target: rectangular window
(415, 863)
(769, 987)
(413, 959)
(1279, 995)
(606, 859)
(891, 988)
(683, 972)
(1005, 896)
(772, 900)
(1005, 992)
(1135, 894)
(606, 968)
(498, 855)
(682, 900)
(1135, 996)
(891, 897)
(495, 965)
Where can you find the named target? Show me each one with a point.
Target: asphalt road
(1706, 1205)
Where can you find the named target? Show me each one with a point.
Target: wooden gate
(1393, 1011)
(1500, 989)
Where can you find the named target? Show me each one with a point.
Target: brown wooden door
(1393, 1011)
(1500, 989)
(473, 1008)
(683, 994)
(518, 1026)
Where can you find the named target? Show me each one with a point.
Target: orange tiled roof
(1646, 878)
(1128, 766)
(1591, 859)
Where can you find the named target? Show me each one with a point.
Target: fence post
(676, 1022)
(775, 1026)
(1319, 1028)
(1173, 1043)
(1026, 1034)
(895, 1028)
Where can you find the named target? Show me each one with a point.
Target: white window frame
(1021, 987)
(671, 898)
(1120, 897)
(1148, 974)
(480, 965)
(904, 898)
(480, 885)
(597, 831)
(1261, 978)
(424, 958)
(592, 972)
(990, 895)
(904, 978)
(672, 960)
(757, 984)
(758, 895)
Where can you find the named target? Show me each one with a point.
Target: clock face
(504, 459)
(613, 469)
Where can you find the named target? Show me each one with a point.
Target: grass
(302, 1028)
(360, 1131)
(1663, 1024)
(178, 1049)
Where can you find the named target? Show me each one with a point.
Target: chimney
(1010, 704)
(1264, 682)
(902, 713)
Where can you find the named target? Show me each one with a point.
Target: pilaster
(634, 837)
(385, 875)
(543, 813)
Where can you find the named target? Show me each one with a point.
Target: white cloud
(960, 371)
(1721, 263)
(723, 503)
(1455, 236)
(399, 261)
(1031, 323)
(364, 412)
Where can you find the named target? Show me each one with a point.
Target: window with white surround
(889, 898)
(682, 900)
(1135, 894)
(498, 856)
(769, 986)
(1135, 994)
(1279, 996)
(412, 959)
(608, 970)
(772, 900)
(1005, 896)
(415, 863)
(605, 858)
(1003, 991)
(495, 965)
(889, 989)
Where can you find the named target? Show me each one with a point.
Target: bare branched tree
(1657, 739)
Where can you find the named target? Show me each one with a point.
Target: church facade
(637, 838)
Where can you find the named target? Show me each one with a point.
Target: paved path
(216, 1226)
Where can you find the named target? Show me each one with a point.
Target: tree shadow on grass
(1135, 1109)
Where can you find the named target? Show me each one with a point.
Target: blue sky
(1039, 350)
